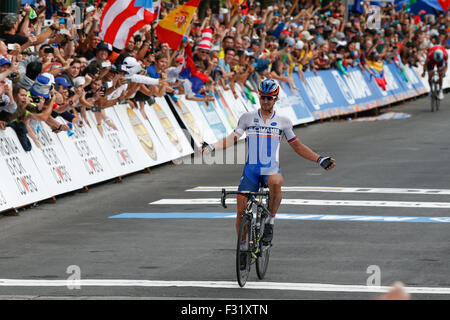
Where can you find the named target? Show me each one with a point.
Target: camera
(35, 99)
(49, 50)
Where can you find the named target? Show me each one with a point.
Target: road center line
(216, 284)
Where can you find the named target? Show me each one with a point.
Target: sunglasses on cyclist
(270, 98)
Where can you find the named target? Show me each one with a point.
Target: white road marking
(314, 202)
(335, 189)
(217, 284)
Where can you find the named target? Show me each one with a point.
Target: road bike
(434, 91)
(251, 228)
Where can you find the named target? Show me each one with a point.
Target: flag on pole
(173, 27)
(122, 18)
(190, 72)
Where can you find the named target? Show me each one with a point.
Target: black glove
(208, 146)
(325, 162)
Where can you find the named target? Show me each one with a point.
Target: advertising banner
(249, 100)
(167, 129)
(215, 121)
(414, 77)
(230, 116)
(114, 142)
(405, 84)
(292, 105)
(236, 105)
(194, 123)
(53, 163)
(141, 135)
(22, 183)
(5, 197)
(87, 157)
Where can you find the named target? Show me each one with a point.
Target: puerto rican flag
(122, 18)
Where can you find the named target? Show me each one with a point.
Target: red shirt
(430, 55)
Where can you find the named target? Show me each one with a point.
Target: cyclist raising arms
(436, 56)
(265, 129)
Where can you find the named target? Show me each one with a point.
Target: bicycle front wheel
(244, 251)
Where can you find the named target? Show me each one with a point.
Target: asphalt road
(195, 258)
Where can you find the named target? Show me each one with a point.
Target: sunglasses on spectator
(270, 98)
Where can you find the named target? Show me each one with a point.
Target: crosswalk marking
(334, 189)
(314, 202)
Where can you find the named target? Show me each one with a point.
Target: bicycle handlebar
(248, 194)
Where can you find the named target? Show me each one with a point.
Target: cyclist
(436, 56)
(265, 129)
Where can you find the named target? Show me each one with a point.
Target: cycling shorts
(253, 177)
(430, 66)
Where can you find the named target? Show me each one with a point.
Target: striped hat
(205, 43)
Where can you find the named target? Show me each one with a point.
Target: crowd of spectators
(52, 67)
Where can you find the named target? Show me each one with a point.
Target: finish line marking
(280, 216)
(335, 189)
(312, 202)
(217, 284)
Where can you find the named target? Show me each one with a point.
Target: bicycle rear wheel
(244, 255)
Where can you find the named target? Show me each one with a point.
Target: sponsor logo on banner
(121, 151)
(343, 86)
(391, 84)
(59, 171)
(317, 92)
(357, 85)
(10, 153)
(189, 120)
(3, 202)
(90, 160)
(142, 134)
(168, 127)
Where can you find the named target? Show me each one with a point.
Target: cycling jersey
(263, 142)
(431, 63)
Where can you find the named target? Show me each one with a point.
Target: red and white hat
(205, 43)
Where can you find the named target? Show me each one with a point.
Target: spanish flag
(173, 27)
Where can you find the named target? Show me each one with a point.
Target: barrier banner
(414, 77)
(197, 129)
(408, 90)
(225, 108)
(382, 97)
(22, 183)
(292, 105)
(236, 105)
(53, 162)
(5, 197)
(87, 157)
(212, 115)
(250, 100)
(114, 143)
(167, 129)
(147, 145)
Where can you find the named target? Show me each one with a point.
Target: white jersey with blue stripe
(264, 137)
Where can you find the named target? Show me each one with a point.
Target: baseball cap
(41, 87)
(103, 46)
(62, 82)
(4, 61)
(307, 36)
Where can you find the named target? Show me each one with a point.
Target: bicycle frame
(252, 228)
